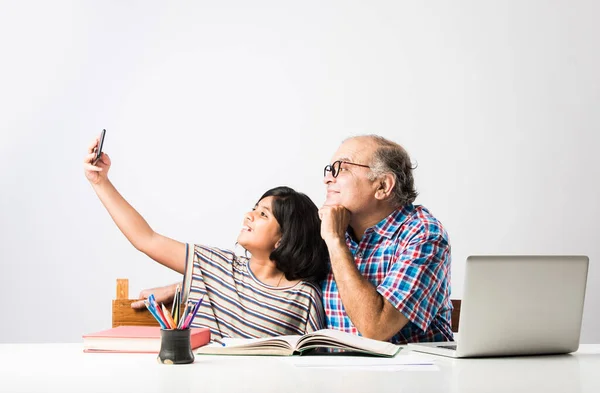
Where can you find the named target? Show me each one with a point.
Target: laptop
(518, 305)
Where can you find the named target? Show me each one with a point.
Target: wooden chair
(455, 314)
(123, 314)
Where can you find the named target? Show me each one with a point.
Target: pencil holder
(175, 347)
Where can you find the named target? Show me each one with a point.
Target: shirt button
(360, 254)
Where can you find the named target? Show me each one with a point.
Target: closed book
(136, 339)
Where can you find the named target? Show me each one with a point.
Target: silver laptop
(518, 305)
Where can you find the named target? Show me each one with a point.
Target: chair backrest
(123, 314)
(455, 314)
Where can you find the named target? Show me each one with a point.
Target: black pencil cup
(175, 347)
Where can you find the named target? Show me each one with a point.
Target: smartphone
(99, 147)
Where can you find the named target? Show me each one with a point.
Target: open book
(298, 345)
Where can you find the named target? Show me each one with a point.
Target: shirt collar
(390, 224)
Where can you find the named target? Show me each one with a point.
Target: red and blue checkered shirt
(406, 256)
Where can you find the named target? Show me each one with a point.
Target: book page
(409, 360)
(329, 338)
(280, 341)
(282, 345)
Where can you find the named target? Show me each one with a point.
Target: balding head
(387, 157)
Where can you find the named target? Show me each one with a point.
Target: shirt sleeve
(416, 281)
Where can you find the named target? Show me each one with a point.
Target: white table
(65, 368)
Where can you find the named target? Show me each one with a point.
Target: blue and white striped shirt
(235, 304)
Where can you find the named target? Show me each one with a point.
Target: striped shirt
(406, 256)
(236, 304)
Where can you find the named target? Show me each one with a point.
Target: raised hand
(98, 172)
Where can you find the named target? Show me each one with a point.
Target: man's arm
(373, 316)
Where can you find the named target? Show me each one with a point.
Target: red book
(136, 339)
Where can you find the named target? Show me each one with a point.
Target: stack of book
(136, 339)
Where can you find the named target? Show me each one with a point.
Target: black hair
(302, 253)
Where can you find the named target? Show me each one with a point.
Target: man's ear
(385, 186)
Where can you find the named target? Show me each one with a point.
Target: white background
(208, 104)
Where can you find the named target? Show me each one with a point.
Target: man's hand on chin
(334, 222)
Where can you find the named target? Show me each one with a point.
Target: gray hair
(391, 158)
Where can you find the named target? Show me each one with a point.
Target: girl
(271, 293)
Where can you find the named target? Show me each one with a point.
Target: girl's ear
(278, 243)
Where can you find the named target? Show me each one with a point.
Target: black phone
(99, 147)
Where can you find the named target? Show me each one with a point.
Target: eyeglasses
(336, 166)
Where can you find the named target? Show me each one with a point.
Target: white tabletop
(65, 368)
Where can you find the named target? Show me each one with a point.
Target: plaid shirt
(406, 256)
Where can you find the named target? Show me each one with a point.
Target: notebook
(136, 339)
(518, 305)
(296, 345)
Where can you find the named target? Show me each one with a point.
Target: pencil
(175, 306)
(168, 317)
(188, 308)
(216, 340)
(154, 314)
(193, 313)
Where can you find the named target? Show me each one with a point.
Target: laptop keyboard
(451, 346)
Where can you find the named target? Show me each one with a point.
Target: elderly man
(390, 259)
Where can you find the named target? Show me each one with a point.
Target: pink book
(136, 339)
